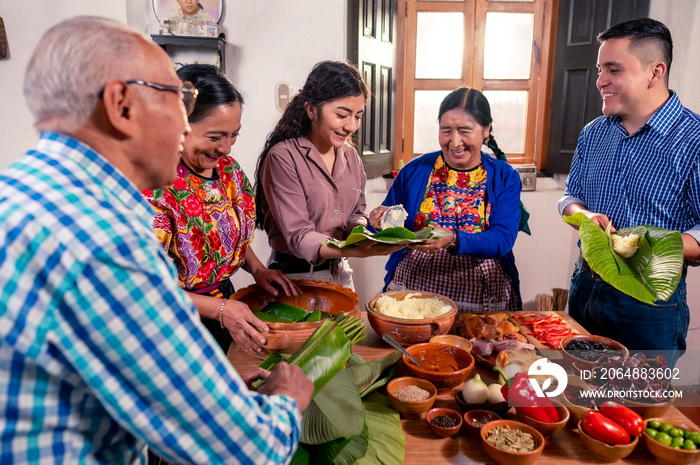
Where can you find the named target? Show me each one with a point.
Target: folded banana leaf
(652, 274)
(285, 312)
(393, 236)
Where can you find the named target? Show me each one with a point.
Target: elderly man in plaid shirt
(637, 164)
(101, 352)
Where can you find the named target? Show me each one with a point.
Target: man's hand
(376, 215)
(598, 218)
(288, 380)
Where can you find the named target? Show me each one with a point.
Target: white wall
(275, 40)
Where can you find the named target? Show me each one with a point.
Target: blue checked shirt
(650, 177)
(100, 351)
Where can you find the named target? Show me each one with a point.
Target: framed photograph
(198, 10)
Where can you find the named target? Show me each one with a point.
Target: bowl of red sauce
(443, 365)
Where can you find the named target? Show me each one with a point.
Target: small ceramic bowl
(504, 457)
(667, 454)
(606, 452)
(442, 431)
(444, 366)
(410, 331)
(410, 409)
(547, 429)
(475, 419)
(573, 358)
(499, 407)
(453, 340)
(577, 412)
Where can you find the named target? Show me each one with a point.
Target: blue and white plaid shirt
(100, 350)
(650, 177)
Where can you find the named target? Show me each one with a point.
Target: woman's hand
(376, 215)
(433, 245)
(245, 328)
(265, 277)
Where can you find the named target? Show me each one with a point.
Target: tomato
(604, 429)
(665, 427)
(663, 438)
(651, 432)
(689, 445)
(695, 437)
(623, 416)
(654, 424)
(675, 432)
(677, 442)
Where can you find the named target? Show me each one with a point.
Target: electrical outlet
(528, 176)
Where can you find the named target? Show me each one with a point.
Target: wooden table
(423, 447)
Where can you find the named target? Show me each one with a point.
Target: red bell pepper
(623, 416)
(518, 392)
(599, 427)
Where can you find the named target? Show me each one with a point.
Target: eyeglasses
(189, 92)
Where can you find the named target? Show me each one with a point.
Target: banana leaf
(393, 236)
(334, 413)
(287, 313)
(370, 376)
(387, 442)
(652, 274)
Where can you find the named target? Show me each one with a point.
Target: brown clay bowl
(444, 366)
(576, 412)
(498, 408)
(410, 331)
(410, 409)
(578, 363)
(287, 337)
(453, 340)
(648, 410)
(475, 419)
(504, 457)
(547, 429)
(667, 454)
(441, 431)
(606, 452)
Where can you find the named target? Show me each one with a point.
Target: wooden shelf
(218, 43)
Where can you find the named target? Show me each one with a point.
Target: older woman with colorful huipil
(471, 193)
(206, 218)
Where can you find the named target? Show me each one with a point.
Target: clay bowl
(498, 408)
(576, 412)
(606, 452)
(547, 429)
(475, 419)
(287, 337)
(408, 331)
(441, 431)
(503, 457)
(444, 366)
(410, 409)
(453, 340)
(574, 357)
(670, 455)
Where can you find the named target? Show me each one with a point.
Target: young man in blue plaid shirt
(101, 352)
(637, 164)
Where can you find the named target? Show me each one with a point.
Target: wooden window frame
(538, 85)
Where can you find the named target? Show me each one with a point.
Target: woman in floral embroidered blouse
(206, 218)
(469, 192)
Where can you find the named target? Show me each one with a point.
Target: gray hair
(73, 62)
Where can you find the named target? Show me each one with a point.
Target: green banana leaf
(650, 275)
(323, 354)
(334, 413)
(370, 376)
(393, 236)
(286, 313)
(387, 442)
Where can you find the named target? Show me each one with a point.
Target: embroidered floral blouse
(205, 224)
(455, 199)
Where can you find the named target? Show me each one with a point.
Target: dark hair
(475, 104)
(328, 81)
(215, 89)
(643, 31)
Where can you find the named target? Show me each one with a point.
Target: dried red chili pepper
(518, 392)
